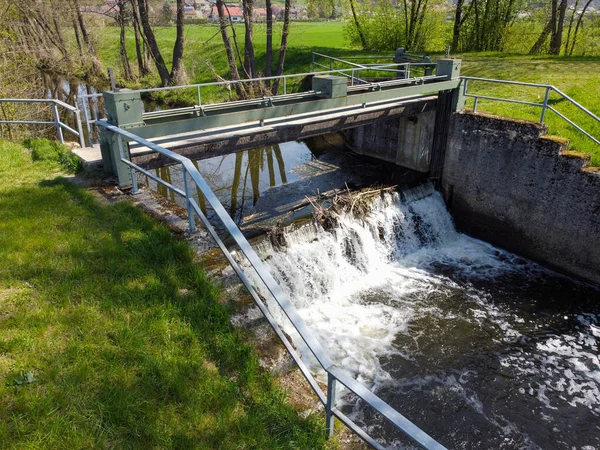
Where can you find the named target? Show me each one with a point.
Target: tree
(482, 25)
(249, 64)
(570, 44)
(554, 29)
(177, 71)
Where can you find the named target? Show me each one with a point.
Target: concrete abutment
(508, 183)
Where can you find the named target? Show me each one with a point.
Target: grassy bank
(578, 77)
(110, 335)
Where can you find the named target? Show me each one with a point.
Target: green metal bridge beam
(124, 108)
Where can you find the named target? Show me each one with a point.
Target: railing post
(86, 107)
(188, 203)
(284, 85)
(475, 104)
(78, 121)
(330, 404)
(330, 64)
(57, 123)
(199, 97)
(545, 107)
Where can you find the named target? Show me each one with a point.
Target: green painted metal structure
(125, 108)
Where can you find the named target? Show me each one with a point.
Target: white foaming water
(330, 276)
(391, 298)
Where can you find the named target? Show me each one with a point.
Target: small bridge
(333, 103)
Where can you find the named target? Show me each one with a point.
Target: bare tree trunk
(127, 73)
(233, 69)
(142, 61)
(579, 20)
(163, 72)
(249, 60)
(177, 71)
(537, 47)
(283, 48)
(359, 30)
(78, 38)
(269, 51)
(566, 49)
(96, 66)
(556, 40)
(457, 24)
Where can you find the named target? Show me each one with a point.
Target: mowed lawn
(110, 334)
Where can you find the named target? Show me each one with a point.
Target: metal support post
(87, 115)
(57, 123)
(78, 121)
(330, 404)
(545, 107)
(188, 203)
(125, 173)
(199, 97)
(475, 104)
(284, 85)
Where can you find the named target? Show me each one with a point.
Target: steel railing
(56, 116)
(91, 117)
(191, 178)
(91, 114)
(545, 106)
(403, 68)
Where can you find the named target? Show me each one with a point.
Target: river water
(480, 348)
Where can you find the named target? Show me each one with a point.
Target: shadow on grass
(124, 335)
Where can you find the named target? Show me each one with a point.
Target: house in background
(235, 12)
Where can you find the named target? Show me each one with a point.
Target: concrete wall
(405, 141)
(509, 184)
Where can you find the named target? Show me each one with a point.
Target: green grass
(111, 336)
(579, 78)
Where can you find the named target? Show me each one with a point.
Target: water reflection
(239, 179)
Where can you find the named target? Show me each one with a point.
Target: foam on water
(402, 302)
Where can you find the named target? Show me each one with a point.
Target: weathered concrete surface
(405, 141)
(509, 184)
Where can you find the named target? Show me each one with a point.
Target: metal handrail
(544, 105)
(56, 122)
(351, 74)
(334, 373)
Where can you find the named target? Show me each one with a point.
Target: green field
(110, 334)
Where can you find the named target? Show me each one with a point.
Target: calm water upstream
(480, 348)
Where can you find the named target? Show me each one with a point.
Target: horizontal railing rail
(334, 373)
(401, 68)
(545, 106)
(91, 116)
(56, 122)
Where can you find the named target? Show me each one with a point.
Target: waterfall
(349, 283)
